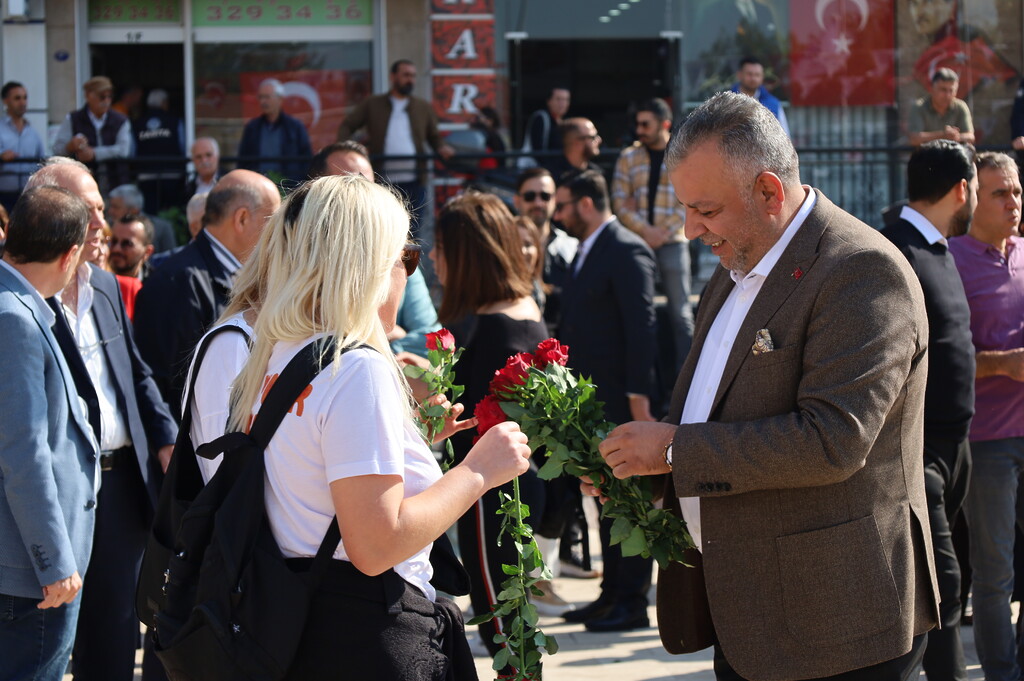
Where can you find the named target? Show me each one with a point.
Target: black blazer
(174, 308)
(608, 318)
(149, 420)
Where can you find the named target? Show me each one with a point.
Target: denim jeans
(35, 644)
(674, 275)
(992, 511)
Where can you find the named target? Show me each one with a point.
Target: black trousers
(902, 668)
(626, 579)
(108, 630)
(947, 469)
(479, 530)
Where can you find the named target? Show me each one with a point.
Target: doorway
(145, 65)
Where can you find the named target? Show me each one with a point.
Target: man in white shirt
(96, 135)
(18, 139)
(795, 431)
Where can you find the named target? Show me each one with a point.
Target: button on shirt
(398, 142)
(113, 427)
(994, 284)
(26, 144)
(715, 352)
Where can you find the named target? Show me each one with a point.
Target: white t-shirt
(398, 142)
(351, 422)
(223, 362)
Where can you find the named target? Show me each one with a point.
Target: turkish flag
(842, 53)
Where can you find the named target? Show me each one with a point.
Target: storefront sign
(134, 11)
(462, 6)
(282, 12)
(463, 44)
(457, 99)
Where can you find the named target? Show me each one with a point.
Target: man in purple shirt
(990, 259)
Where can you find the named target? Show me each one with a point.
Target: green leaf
(551, 469)
(500, 659)
(621, 528)
(413, 371)
(635, 544)
(550, 645)
(480, 619)
(530, 614)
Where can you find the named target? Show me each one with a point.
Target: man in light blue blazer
(48, 455)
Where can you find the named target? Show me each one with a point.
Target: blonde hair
(322, 265)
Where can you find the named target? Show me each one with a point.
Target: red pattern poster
(317, 98)
(458, 98)
(842, 53)
(463, 44)
(462, 6)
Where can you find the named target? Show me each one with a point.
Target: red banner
(842, 53)
(457, 99)
(462, 6)
(462, 44)
(317, 98)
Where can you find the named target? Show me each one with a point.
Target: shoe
(595, 610)
(620, 618)
(567, 569)
(550, 604)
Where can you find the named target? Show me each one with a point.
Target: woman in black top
(487, 304)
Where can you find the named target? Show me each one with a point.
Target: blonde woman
(337, 266)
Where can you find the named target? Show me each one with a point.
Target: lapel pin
(797, 273)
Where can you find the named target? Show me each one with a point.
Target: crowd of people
(842, 396)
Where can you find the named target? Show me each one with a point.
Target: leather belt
(113, 458)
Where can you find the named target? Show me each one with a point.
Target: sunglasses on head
(529, 197)
(411, 259)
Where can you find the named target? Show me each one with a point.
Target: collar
(587, 243)
(923, 225)
(25, 122)
(83, 279)
(98, 122)
(766, 264)
(226, 257)
(45, 313)
(972, 243)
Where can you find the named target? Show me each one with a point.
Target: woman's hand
(501, 454)
(420, 390)
(452, 424)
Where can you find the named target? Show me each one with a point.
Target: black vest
(81, 124)
(156, 135)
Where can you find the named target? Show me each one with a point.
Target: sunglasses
(530, 197)
(560, 206)
(123, 243)
(411, 259)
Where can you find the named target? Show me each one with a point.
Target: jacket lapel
(777, 288)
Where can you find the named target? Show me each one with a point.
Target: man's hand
(656, 237)
(85, 154)
(164, 456)
(1009, 363)
(640, 408)
(445, 151)
(1018, 143)
(9, 155)
(637, 449)
(951, 132)
(60, 592)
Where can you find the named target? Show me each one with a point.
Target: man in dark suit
(47, 450)
(793, 442)
(608, 323)
(273, 135)
(942, 187)
(187, 293)
(135, 431)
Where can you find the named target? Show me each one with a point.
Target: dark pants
(35, 644)
(901, 668)
(108, 630)
(626, 580)
(947, 469)
(479, 530)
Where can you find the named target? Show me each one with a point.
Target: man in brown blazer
(399, 124)
(793, 441)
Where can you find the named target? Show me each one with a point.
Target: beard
(961, 221)
(404, 90)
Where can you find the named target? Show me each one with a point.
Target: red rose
(441, 340)
(513, 374)
(550, 351)
(488, 412)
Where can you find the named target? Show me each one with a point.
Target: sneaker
(567, 569)
(550, 604)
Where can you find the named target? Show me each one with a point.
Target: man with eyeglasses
(646, 203)
(94, 134)
(580, 146)
(135, 431)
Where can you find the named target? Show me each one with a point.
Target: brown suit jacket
(816, 551)
(375, 112)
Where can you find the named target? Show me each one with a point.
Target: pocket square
(762, 342)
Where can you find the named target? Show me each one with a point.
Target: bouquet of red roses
(560, 412)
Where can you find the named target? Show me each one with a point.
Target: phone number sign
(134, 11)
(282, 12)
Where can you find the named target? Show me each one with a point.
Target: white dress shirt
(922, 224)
(586, 245)
(113, 426)
(718, 345)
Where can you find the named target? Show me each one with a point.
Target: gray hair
(274, 83)
(995, 160)
(131, 194)
(749, 137)
(211, 140)
(46, 175)
(196, 207)
(157, 99)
